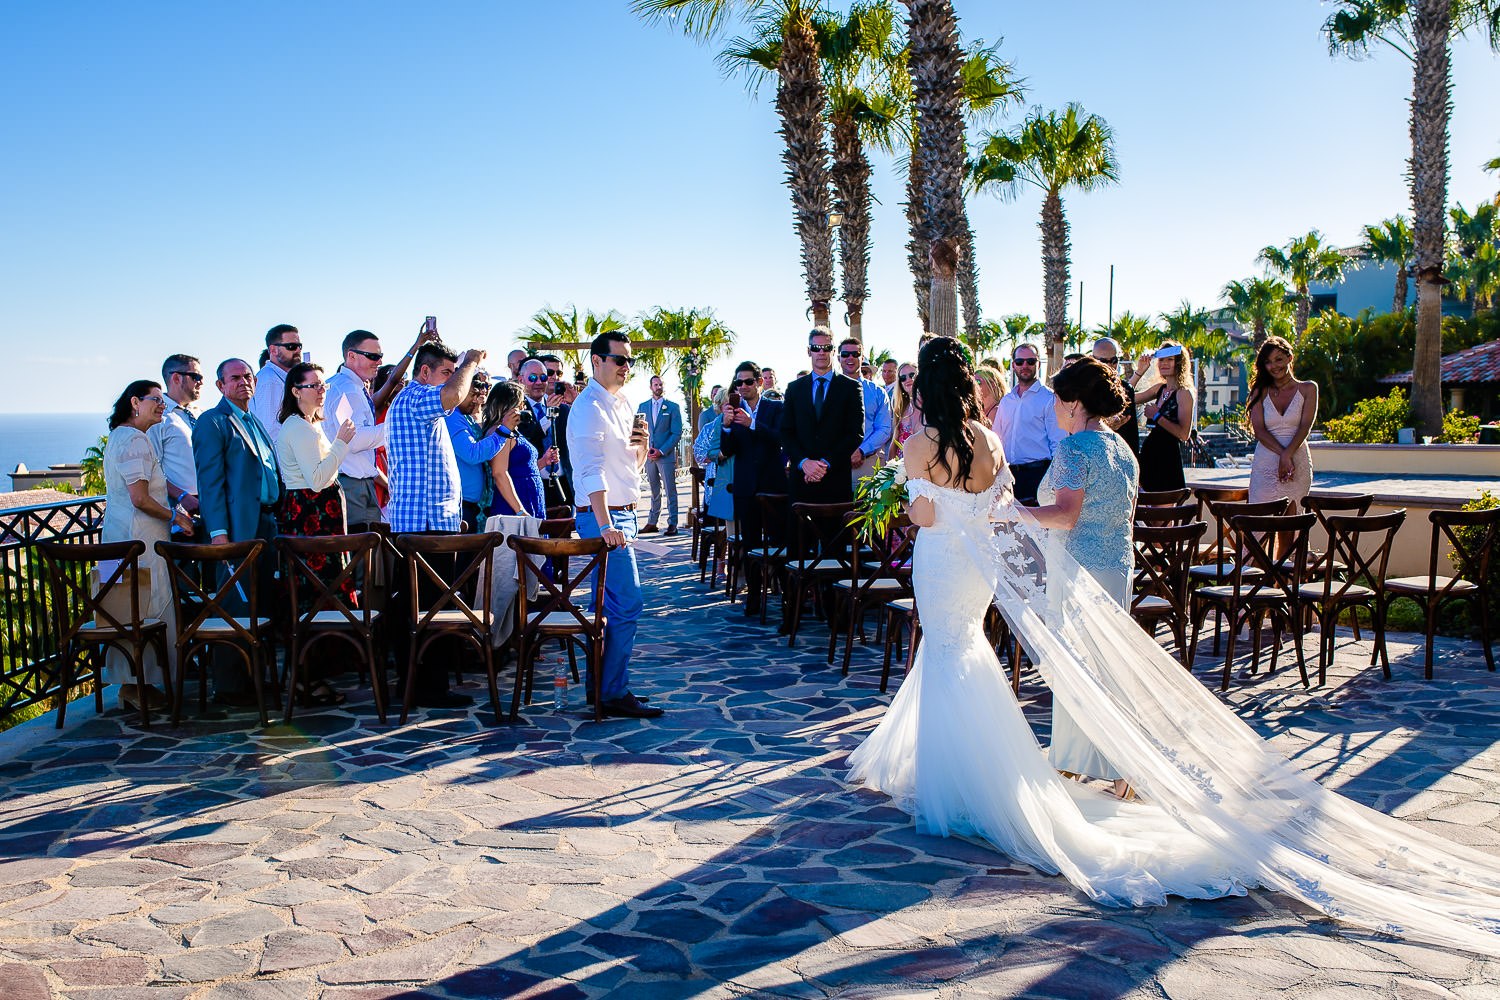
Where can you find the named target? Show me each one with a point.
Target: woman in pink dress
(1281, 409)
(907, 420)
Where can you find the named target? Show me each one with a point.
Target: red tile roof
(1478, 365)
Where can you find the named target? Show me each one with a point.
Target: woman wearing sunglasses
(908, 420)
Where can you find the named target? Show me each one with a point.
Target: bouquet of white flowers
(878, 499)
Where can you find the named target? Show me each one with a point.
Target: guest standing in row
(750, 437)
(1106, 351)
(1169, 415)
(515, 476)
(822, 425)
(473, 448)
(906, 417)
(718, 468)
(878, 425)
(1281, 409)
(664, 430)
(172, 437)
(539, 428)
(991, 386)
(552, 415)
(136, 508)
(768, 386)
(283, 350)
(1026, 422)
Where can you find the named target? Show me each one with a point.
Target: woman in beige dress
(136, 507)
(1281, 409)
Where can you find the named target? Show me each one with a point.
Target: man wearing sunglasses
(283, 349)
(1126, 424)
(664, 425)
(173, 436)
(878, 427)
(751, 435)
(1027, 424)
(609, 451)
(822, 425)
(547, 435)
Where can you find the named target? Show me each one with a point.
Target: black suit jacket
(830, 437)
(759, 465)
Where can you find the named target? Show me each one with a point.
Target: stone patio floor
(716, 852)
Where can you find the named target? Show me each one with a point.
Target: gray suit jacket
(668, 429)
(228, 475)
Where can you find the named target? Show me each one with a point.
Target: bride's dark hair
(945, 384)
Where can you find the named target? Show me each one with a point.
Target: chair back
(559, 512)
(1163, 555)
(555, 592)
(823, 531)
(1224, 512)
(480, 550)
(698, 474)
(356, 552)
(193, 603)
(1163, 498)
(772, 513)
(68, 582)
(1256, 536)
(886, 557)
(1363, 545)
(558, 528)
(1205, 495)
(1472, 533)
(1179, 514)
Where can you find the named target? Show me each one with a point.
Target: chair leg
(791, 637)
(1484, 628)
(1432, 614)
(855, 615)
(597, 673)
(1294, 625)
(515, 696)
(1234, 631)
(182, 666)
(291, 677)
(833, 633)
(488, 652)
(409, 698)
(890, 640)
(1385, 659)
(377, 683)
(573, 658)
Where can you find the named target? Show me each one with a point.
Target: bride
(1223, 812)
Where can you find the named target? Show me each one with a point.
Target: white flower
(899, 477)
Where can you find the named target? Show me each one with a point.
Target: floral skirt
(315, 513)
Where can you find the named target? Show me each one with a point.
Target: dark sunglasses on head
(375, 356)
(848, 354)
(623, 360)
(195, 376)
(293, 346)
(819, 348)
(744, 381)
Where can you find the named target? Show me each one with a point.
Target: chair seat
(820, 568)
(213, 627)
(908, 605)
(1215, 571)
(449, 618)
(1314, 592)
(556, 621)
(765, 553)
(1418, 584)
(1152, 605)
(876, 588)
(337, 619)
(96, 631)
(1225, 592)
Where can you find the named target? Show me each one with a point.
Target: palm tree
(878, 358)
(1421, 30)
(800, 102)
(552, 326)
(1301, 262)
(1472, 265)
(1257, 303)
(1133, 333)
(714, 341)
(1391, 243)
(1493, 166)
(93, 468)
(1074, 150)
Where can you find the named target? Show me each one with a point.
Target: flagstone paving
(715, 852)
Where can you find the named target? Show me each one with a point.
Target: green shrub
(1459, 429)
(1471, 538)
(1374, 421)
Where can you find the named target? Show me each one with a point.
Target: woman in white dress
(1281, 409)
(1222, 811)
(136, 507)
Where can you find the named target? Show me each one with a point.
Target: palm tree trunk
(800, 101)
(944, 304)
(1054, 226)
(936, 62)
(1299, 318)
(1259, 332)
(851, 188)
(1398, 303)
(1431, 24)
(916, 247)
(968, 283)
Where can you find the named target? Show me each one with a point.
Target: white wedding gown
(1223, 810)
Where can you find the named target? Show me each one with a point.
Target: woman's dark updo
(1092, 384)
(945, 387)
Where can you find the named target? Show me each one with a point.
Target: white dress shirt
(599, 443)
(1027, 425)
(359, 462)
(270, 385)
(173, 441)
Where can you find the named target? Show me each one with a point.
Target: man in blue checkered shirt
(426, 492)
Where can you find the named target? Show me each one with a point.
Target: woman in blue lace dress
(1088, 500)
(518, 479)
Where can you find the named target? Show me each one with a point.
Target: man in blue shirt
(866, 458)
(472, 451)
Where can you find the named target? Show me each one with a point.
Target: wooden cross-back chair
(823, 536)
(1353, 569)
(553, 614)
(450, 614)
(1159, 592)
(879, 573)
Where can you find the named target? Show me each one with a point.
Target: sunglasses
(375, 356)
(1023, 361)
(623, 360)
(1108, 361)
(293, 346)
(536, 378)
(848, 354)
(195, 376)
(908, 376)
(315, 386)
(480, 386)
(744, 381)
(819, 348)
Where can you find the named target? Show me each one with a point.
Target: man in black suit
(822, 423)
(546, 435)
(752, 435)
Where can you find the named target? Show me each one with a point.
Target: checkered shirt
(426, 492)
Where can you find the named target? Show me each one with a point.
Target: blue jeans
(622, 601)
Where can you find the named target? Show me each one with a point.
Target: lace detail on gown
(1223, 810)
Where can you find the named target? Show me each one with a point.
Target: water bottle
(560, 692)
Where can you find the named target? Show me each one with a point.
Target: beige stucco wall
(1407, 459)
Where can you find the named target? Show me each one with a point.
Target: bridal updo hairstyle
(944, 389)
(1092, 384)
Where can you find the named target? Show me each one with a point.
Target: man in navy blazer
(664, 430)
(752, 433)
(238, 488)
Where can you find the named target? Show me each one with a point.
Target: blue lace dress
(527, 478)
(1102, 465)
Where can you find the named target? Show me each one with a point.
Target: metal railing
(28, 626)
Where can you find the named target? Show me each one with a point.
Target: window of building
(1214, 398)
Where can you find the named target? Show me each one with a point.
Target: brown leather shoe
(671, 530)
(649, 529)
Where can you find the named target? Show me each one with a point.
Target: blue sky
(182, 176)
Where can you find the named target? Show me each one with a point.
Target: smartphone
(430, 325)
(640, 422)
(733, 398)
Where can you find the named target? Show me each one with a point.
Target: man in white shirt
(173, 437)
(284, 347)
(1027, 424)
(866, 458)
(608, 455)
(348, 394)
(888, 377)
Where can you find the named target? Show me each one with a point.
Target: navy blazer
(228, 475)
(760, 465)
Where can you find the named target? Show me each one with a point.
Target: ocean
(44, 439)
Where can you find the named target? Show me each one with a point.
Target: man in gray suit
(664, 425)
(238, 487)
